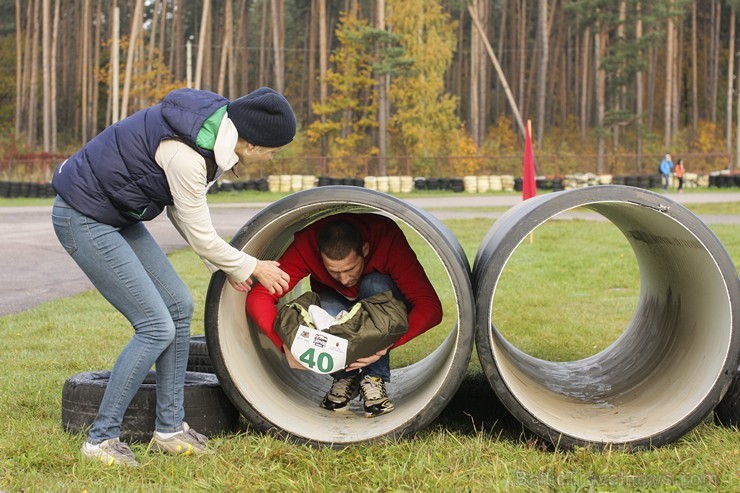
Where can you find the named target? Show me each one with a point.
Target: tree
(133, 39)
(730, 80)
(425, 115)
(542, 71)
(277, 17)
(350, 112)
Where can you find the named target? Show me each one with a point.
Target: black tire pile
(207, 408)
(15, 189)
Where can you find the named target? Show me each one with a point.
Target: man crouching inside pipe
(351, 257)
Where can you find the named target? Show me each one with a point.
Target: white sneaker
(110, 452)
(186, 442)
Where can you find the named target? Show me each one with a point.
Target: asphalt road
(36, 269)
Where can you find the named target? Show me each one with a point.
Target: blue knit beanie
(263, 117)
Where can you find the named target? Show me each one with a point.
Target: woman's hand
(271, 276)
(243, 286)
(367, 360)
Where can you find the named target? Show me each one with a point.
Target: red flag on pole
(529, 186)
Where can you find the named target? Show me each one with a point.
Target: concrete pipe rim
(662, 376)
(285, 402)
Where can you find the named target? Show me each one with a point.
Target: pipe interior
(664, 363)
(289, 399)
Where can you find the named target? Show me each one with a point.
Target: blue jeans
(132, 272)
(665, 181)
(333, 303)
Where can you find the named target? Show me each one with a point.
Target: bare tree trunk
(323, 67)
(474, 81)
(503, 26)
(483, 75)
(243, 56)
(714, 57)
(542, 72)
(522, 52)
(619, 97)
(95, 91)
(585, 75)
(225, 47)
(46, 72)
(558, 66)
(136, 21)
(231, 71)
(639, 93)
(652, 86)
(207, 74)
(668, 85)
(198, 80)
(68, 83)
(53, 78)
(18, 65)
(84, 67)
(499, 71)
(177, 41)
(599, 50)
(163, 17)
(694, 73)
(383, 81)
(32, 94)
(312, 46)
(115, 65)
(730, 77)
(677, 71)
(153, 35)
(478, 102)
(262, 77)
(24, 106)
(278, 42)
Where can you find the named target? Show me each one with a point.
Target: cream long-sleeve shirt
(185, 170)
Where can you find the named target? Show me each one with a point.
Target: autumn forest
(608, 85)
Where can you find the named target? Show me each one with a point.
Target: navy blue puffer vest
(114, 178)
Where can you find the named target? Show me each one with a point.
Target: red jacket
(389, 253)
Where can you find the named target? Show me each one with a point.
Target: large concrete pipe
(674, 360)
(279, 400)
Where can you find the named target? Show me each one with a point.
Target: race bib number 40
(319, 351)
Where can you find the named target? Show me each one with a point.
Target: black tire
(198, 359)
(207, 409)
(727, 412)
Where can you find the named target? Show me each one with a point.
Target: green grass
(473, 446)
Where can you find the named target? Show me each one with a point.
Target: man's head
(668, 157)
(343, 251)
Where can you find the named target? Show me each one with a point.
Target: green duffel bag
(371, 324)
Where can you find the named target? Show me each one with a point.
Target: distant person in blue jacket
(666, 165)
(164, 156)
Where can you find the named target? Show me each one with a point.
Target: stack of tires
(15, 189)
(207, 408)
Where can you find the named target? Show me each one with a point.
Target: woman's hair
(338, 239)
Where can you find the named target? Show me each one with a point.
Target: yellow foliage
(502, 138)
(150, 82)
(462, 146)
(709, 138)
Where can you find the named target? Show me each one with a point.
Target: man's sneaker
(186, 442)
(110, 452)
(341, 392)
(375, 397)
